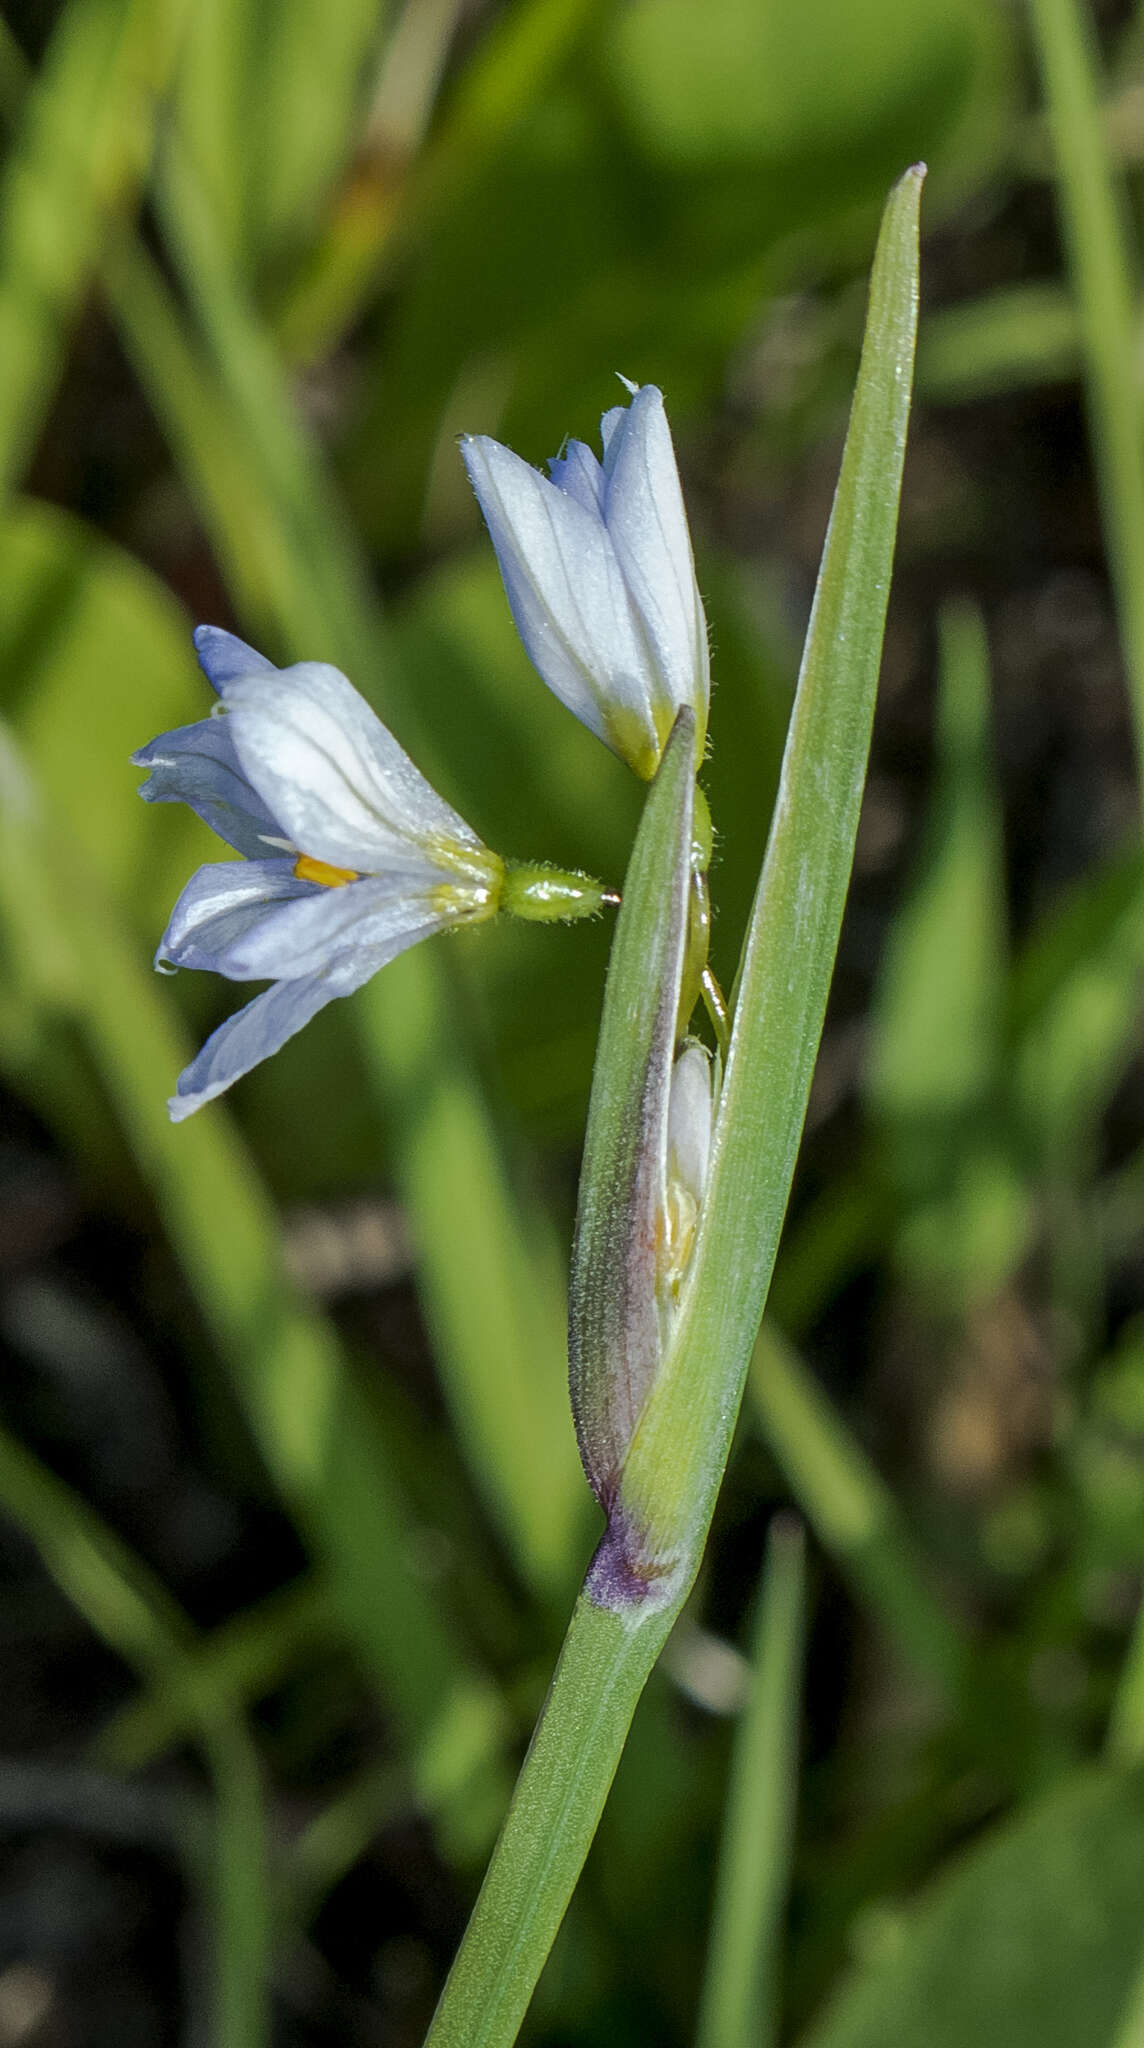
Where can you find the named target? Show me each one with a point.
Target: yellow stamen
(308, 870)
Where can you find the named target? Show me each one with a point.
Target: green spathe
(615, 1337)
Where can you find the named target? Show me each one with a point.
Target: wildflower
(597, 566)
(349, 856)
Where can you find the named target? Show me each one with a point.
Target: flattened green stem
(740, 1989)
(1094, 217)
(603, 1668)
(681, 1441)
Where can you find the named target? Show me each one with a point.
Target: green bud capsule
(546, 895)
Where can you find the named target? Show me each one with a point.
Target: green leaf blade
(681, 1444)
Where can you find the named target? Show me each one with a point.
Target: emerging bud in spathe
(685, 1179)
(642, 1186)
(598, 571)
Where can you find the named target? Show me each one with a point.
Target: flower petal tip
(223, 656)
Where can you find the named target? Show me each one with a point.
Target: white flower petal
(197, 765)
(610, 420)
(344, 790)
(577, 472)
(223, 656)
(565, 592)
(300, 936)
(255, 1032)
(645, 517)
(220, 904)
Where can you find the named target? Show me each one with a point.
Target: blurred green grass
(258, 267)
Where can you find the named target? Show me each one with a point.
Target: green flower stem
(715, 1004)
(1097, 236)
(740, 1988)
(603, 1667)
(673, 1468)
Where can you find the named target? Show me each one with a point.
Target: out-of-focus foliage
(285, 1416)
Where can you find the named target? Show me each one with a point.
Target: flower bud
(598, 571)
(685, 1178)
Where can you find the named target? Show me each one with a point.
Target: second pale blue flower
(598, 570)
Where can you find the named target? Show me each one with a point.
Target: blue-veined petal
(295, 938)
(265, 1024)
(342, 788)
(197, 765)
(598, 570)
(221, 904)
(647, 524)
(577, 472)
(223, 657)
(610, 420)
(565, 591)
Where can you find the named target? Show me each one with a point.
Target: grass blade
(1094, 218)
(852, 1511)
(78, 161)
(740, 1989)
(246, 1658)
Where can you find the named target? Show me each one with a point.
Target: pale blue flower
(348, 855)
(597, 566)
